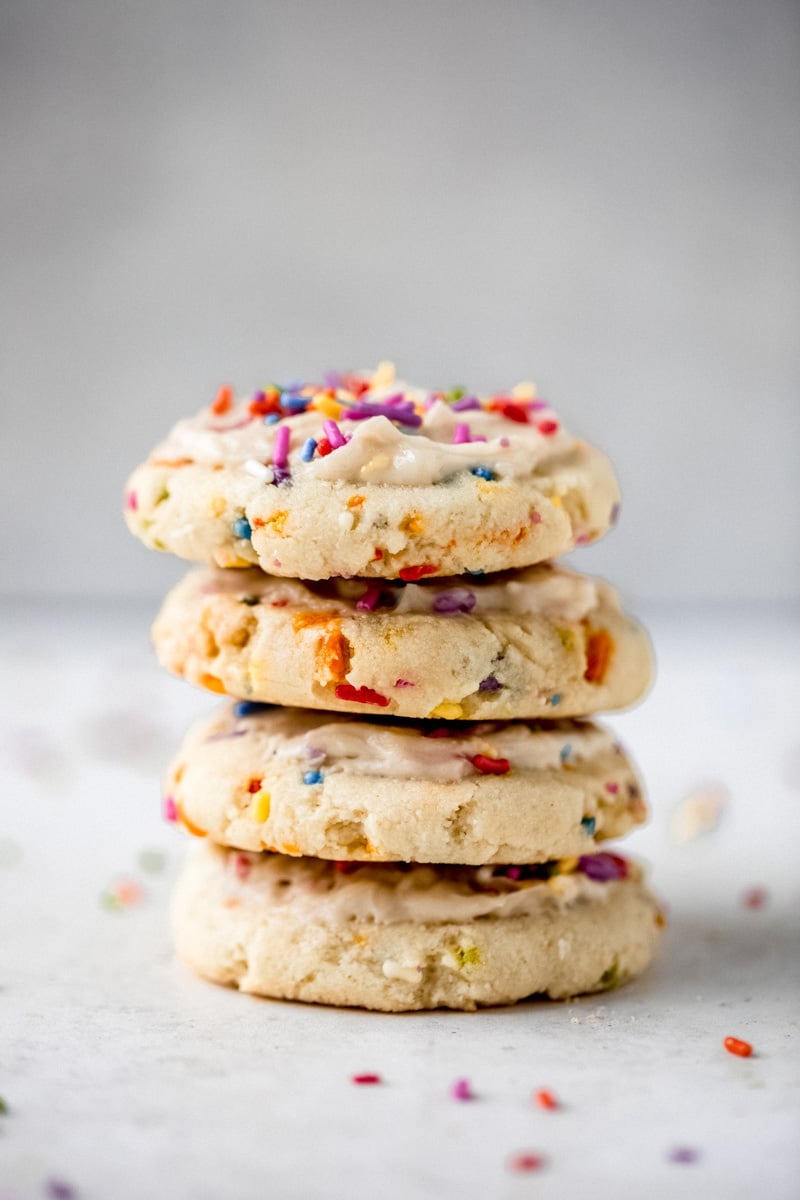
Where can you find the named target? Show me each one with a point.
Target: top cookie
(367, 476)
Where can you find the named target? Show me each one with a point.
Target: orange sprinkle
(599, 648)
(223, 401)
(737, 1046)
(355, 502)
(212, 683)
(545, 1099)
(305, 620)
(193, 829)
(334, 653)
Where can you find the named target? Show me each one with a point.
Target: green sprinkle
(610, 978)
(152, 861)
(250, 601)
(456, 393)
(4, 1109)
(467, 956)
(162, 496)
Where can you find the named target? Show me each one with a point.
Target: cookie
(370, 477)
(543, 642)
(398, 938)
(298, 782)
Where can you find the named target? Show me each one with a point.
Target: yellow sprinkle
(448, 711)
(384, 375)
(259, 808)
(217, 506)
(567, 865)
(328, 406)
(556, 501)
(412, 523)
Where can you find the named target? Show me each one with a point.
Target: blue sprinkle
(272, 418)
(295, 403)
(589, 824)
(241, 528)
(483, 473)
(480, 571)
(312, 777)
(248, 708)
(565, 752)
(555, 699)
(309, 446)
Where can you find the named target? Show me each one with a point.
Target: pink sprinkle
(403, 683)
(613, 788)
(526, 1161)
(461, 434)
(581, 539)
(132, 501)
(242, 866)
(170, 809)
(280, 450)
(367, 602)
(537, 405)
(536, 517)
(755, 897)
(505, 443)
(479, 438)
(366, 1079)
(334, 434)
(461, 1090)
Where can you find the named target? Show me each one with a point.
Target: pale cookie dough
(542, 642)
(400, 938)
(301, 783)
(374, 478)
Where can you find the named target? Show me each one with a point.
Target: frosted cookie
(298, 782)
(543, 642)
(371, 477)
(396, 938)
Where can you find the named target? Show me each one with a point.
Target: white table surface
(126, 1077)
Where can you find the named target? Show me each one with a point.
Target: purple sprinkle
(490, 684)
(602, 867)
(57, 1189)
(454, 600)
(403, 683)
(513, 872)
(280, 475)
(369, 599)
(537, 405)
(334, 434)
(461, 1090)
(280, 450)
(404, 415)
(614, 517)
(332, 379)
(683, 1154)
(461, 434)
(465, 404)
(397, 398)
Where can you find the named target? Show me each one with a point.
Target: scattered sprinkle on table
(461, 1090)
(3, 1108)
(683, 1154)
(545, 1099)
(735, 1045)
(525, 1160)
(755, 897)
(57, 1189)
(366, 1078)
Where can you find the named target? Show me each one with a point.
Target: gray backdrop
(599, 196)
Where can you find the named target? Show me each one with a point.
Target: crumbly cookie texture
(299, 782)
(398, 938)
(542, 642)
(367, 476)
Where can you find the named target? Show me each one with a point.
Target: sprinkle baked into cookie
(362, 475)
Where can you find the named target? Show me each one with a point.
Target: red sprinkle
(547, 427)
(737, 1046)
(515, 412)
(254, 786)
(324, 447)
(361, 695)
(755, 897)
(526, 1161)
(412, 574)
(242, 866)
(490, 766)
(223, 400)
(263, 404)
(545, 1099)
(366, 1079)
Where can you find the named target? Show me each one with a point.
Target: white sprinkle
(346, 520)
(259, 470)
(395, 970)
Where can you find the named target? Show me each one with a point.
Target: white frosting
(377, 451)
(366, 747)
(547, 590)
(383, 893)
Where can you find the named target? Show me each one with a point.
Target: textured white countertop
(124, 1076)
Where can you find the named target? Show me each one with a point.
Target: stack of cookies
(401, 804)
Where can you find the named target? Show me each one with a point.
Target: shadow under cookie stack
(401, 804)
